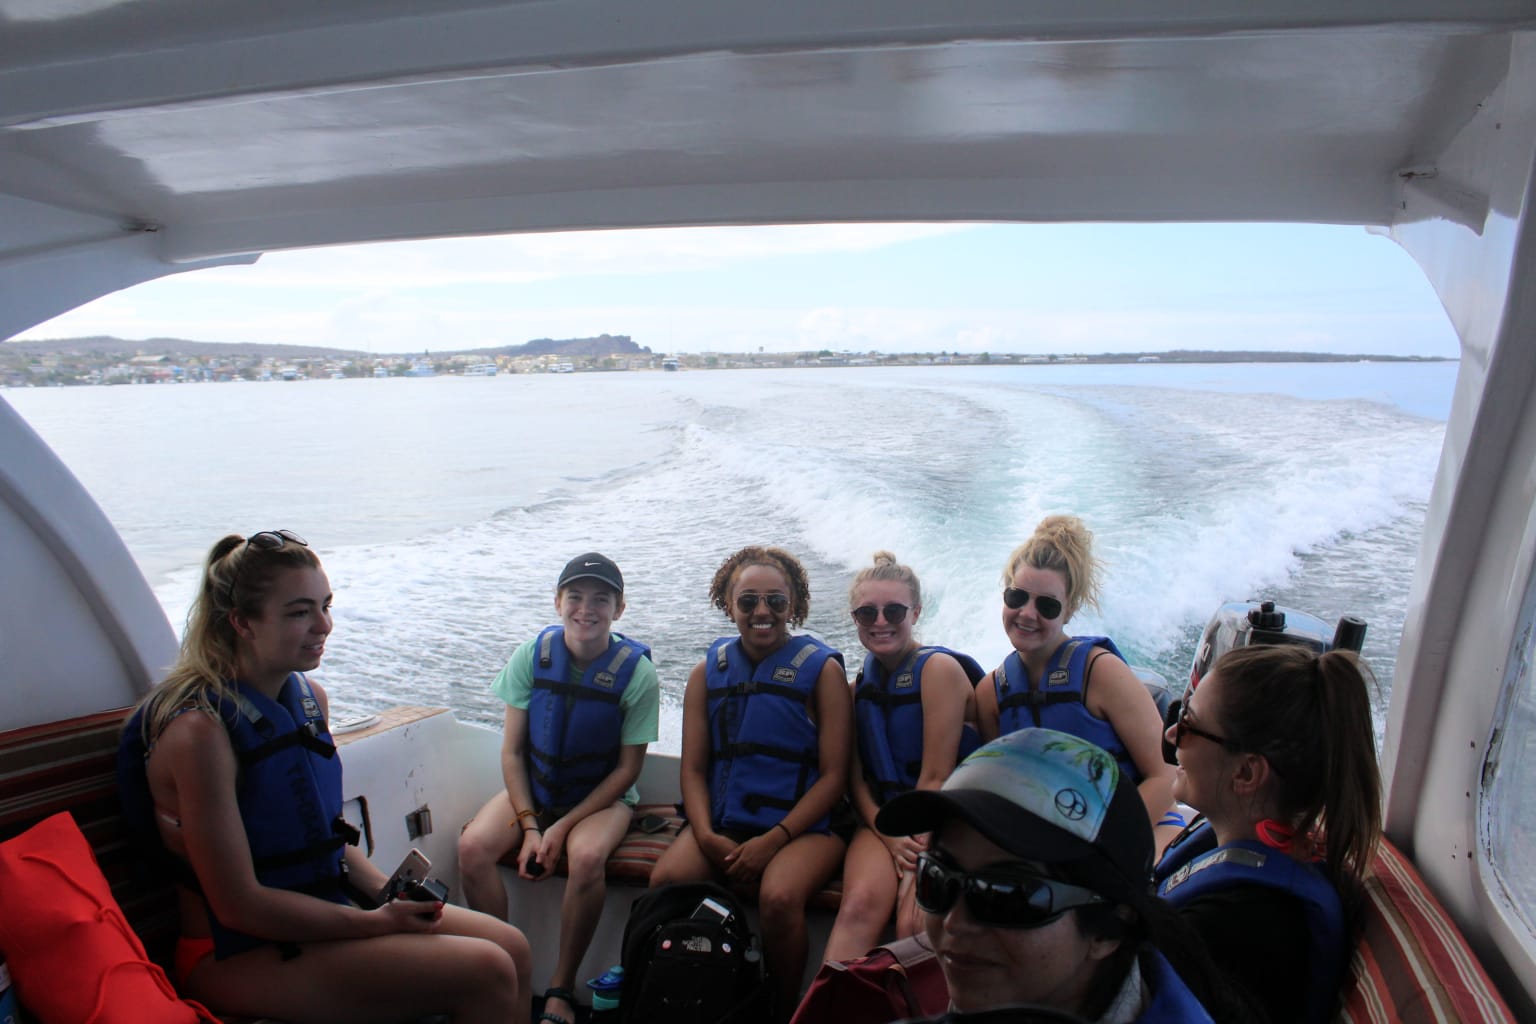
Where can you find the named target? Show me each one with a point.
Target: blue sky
(1066, 288)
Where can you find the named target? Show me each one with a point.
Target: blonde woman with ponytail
(232, 784)
(1074, 684)
(1277, 750)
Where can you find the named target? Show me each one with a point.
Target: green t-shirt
(639, 704)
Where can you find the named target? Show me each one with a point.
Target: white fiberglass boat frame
(140, 138)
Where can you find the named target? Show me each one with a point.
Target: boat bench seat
(71, 765)
(1412, 963)
(631, 863)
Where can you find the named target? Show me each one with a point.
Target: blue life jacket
(575, 729)
(288, 789)
(1194, 865)
(1172, 1001)
(763, 745)
(1057, 702)
(888, 710)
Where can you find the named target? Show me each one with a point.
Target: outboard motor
(1241, 623)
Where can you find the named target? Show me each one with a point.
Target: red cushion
(1412, 964)
(73, 957)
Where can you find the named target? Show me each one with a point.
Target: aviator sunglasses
(999, 898)
(1048, 607)
(266, 540)
(747, 603)
(866, 614)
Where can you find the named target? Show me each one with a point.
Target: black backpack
(690, 957)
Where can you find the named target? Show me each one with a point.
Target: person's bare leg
(485, 840)
(683, 861)
(361, 981)
(586, 857)
(792, 877)
(869, 893)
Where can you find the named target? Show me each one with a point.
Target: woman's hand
(717, 848)
(904, 850)
(746, 863)
(400, 915)
(529, 854)
(552, 846)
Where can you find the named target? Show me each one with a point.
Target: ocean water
(444, 508)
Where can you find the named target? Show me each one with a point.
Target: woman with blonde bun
(1078, 685)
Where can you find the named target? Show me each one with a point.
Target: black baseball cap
(1044, 796)
(592, 566)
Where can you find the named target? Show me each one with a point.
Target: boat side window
(1508, 800)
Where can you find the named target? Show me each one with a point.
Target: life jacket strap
(886, 699)
(306, 736)
(570, 690)
(752, 686)
(735, 750)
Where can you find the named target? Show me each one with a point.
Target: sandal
(559, 993)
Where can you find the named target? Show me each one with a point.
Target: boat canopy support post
(1478, 550)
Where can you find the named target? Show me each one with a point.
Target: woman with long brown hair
(1277, 750)
(228, 773)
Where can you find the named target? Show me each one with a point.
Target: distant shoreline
(70, 362)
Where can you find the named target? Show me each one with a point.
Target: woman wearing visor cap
(1036, 887)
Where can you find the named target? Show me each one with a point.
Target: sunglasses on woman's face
(1183, 725)
(1048, 607)
(747, 603)
(997, 897)
(866, 614)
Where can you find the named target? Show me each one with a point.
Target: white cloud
(473, 293)
(522, 259)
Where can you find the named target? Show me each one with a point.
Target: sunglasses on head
(866, 614)
(747, 603)
(1048, 607)
(999, 897)
(266, 540)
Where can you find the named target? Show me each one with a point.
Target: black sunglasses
(1182, 725)
(747, 603)
(998, 898)
(266, 540)
(866, 614)
(1048, 607)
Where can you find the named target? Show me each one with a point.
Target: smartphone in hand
(411, 872)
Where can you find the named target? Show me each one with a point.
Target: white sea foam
(445, 508)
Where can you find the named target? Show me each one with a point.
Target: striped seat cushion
(1412, 964)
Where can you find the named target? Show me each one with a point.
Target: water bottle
(605, 994)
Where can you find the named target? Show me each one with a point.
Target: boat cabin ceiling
(193, 130)
(141, 138)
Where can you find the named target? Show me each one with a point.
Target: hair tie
(1275, 835)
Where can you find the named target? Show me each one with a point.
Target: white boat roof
(196, 130)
